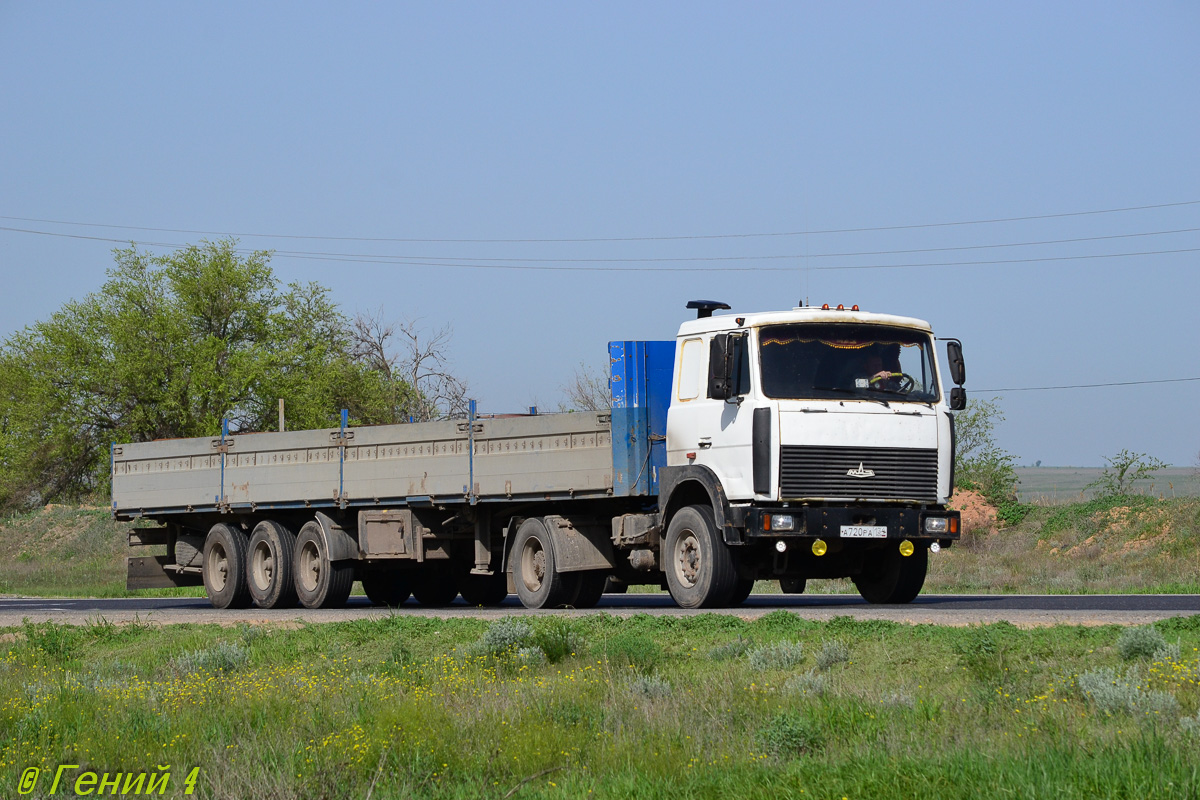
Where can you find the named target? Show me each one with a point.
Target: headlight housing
(936, 525)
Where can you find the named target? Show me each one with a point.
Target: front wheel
(320, 583)
(889, 577)
(699, 565)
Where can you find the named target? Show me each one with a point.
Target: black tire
(539, 584)
(591, 589)
(434, 586)
(270, 558)
(699, 567)
(320, 583)
(889, 577)
(615, 586)
(741, 590)
(386, 587)
(225, 567)
(483, 590)
(793, 585)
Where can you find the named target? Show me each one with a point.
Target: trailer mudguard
(340, 545)
(579, 545)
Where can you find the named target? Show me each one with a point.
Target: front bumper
(825, 522)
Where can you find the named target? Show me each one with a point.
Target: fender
(340, 545)
(679, 486)
(579, 545)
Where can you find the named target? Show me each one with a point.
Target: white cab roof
(728, 322)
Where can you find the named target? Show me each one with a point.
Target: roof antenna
(705, 308)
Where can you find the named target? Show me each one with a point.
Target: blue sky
(601, 121)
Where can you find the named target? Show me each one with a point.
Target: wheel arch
(340, 545)
(695, 485)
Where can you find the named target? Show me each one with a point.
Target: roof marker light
(841, 307)
(825, 307)
(854, 307)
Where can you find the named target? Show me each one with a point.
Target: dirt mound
(978, 515)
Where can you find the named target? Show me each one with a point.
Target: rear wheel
(386, 587)
(793, 585)
(225, 567)
(320, 583)
(892, 578)
(699, 566)
(434, 586)
(539, 584)
(591, 589)
(269, 568)
(483, 590)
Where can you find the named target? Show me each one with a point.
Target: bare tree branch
(588, 390)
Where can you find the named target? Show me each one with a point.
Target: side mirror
(725, 352)
(958, 398)
(958, 367)
(720, 367)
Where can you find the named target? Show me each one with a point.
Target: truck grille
(900, 473)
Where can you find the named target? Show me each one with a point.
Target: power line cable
(916, 226)
(421, 261)
(1087, 385)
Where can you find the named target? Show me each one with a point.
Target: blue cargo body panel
(640, 376)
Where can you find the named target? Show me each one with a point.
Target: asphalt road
(1023, 610)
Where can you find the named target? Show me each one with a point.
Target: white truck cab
(824, 440)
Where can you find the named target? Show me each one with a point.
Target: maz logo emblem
(860, 472)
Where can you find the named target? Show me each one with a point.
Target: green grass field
(699, 707)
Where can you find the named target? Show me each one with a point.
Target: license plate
(864, 531)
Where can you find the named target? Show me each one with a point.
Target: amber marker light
(819, 547)
(906, 548)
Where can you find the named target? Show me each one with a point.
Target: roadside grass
(643, 707)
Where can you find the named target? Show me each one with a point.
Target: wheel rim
(262, 566)
(533, 564)
(687, 559)
(217, 568)
(310, 567)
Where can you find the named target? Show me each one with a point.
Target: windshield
(836, 361)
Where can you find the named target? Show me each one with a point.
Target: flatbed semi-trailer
(696, 478)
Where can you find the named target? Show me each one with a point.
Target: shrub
(735, 649)
(781, 655)
(832, 653)
(1122, 471)
(1168, 653)
(650, 687)
(810, 683)
(981, 654)
(1141, 642)
(789, 734)
(1114, 693)
(633, 649)
(530, 656)
(225, 657)
(504, 636)
(558, 640)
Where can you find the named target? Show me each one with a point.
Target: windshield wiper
(851, 392)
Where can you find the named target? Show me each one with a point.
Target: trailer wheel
(891, 577)
(591, 589)
(699, 567)
(386, 587)
(225, 567)
(269, 567)
(539, 584)
(483, 590)
(434, 586)
(320, 583)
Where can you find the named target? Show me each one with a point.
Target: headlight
(782, 522)
(936, 524)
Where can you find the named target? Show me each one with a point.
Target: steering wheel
(905, 383)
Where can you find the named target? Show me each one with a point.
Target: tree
(980, 463)
(168, 347)
(1122, 471)
(422, 365)
(588, 390)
